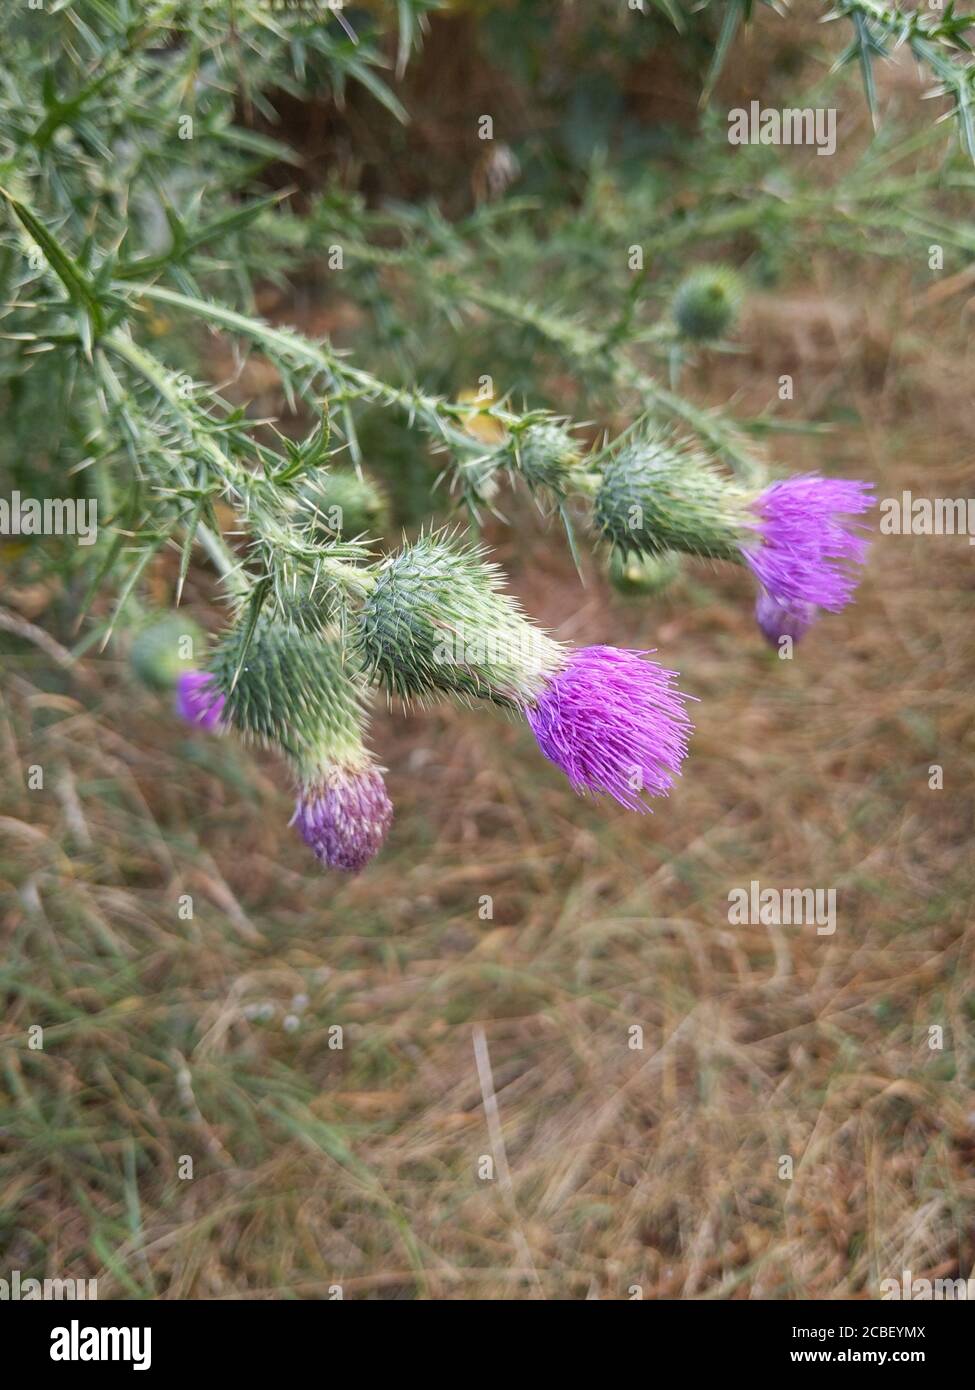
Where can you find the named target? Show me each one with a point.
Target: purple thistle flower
(783, 620)
(614, 723)
(198, 701)
(345, 818)
(807, 548)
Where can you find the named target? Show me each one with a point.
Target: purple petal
(345, 820)
(783, 620)
(615, 723)
(807, 550)
(198, 701)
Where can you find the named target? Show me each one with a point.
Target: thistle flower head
(198, 700)
(706, 302)
(658, 495)
(778, 620)
(615, 723)
(344, 817)
(806, 546)
(437, 621)
(302, 694)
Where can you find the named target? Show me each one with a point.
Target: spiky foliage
(706, 302)
(936, 34)
(438, 622)
(658, 495)
(123, 230)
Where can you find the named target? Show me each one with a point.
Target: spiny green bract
(706, 302)
(296, 691)
(657, 495)
(544, 455)
(643, 574)
(165, 648)
(344, 504)
(436, 621)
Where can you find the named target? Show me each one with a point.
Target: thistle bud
(166, 648)
(706, 302)
(437, 621)
(299, 693)
(198, 701)
(634, 575)
(344, 504)
(544, 455)
(778, 620)
(795, 535)
(657, 495)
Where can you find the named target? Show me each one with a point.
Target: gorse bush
(139, 174)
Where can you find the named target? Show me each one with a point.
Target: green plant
(132, 154)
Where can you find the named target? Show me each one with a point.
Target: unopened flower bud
(544, 456)
(706, 302)
(165, 648)
(299, 693)
(437, 621)
(634, 575)
(343, 504)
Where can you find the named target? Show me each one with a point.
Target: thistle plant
(799, 536)
(137, 167)
(437, 621)
(301, 696)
